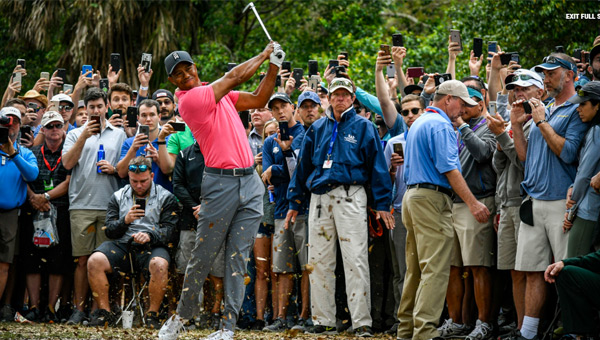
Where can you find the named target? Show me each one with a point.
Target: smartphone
(287, 65)
(477, 47)
(62, 73)
(493, 108)
(278, 81)
(297, 75)
(283, 130)
(86, 68)
(104, 84)
(68, 87)
(141, 202)
(230, 66)
(21, 62)
(96, 118)
(385, 48)
(313, 68)
(440, 78)
(132, 113)
(397, 39)
(345, 54)
(507, 57)
(25, 130)
(3, 135)
(425, 78)
(577, 54)
(559, 49)
(455, 37)
(415, 72)
(245, 118)
(177, 126)
(45, 75)
(586, 57)
(117, 112)
(515, 57)
(32, 106)
(527, 107)
(398, 149)
(17, 77)
(313, 82)
(391, 70)
(115, 62)
(147, 62)
(144, 130)
(56, 104)
(333, 63)
(492, 47)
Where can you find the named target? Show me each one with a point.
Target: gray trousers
(230, 215)
(398, 246)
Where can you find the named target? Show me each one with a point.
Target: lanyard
(48, 164)
(431, 110)
(461, 144)
(333, 135)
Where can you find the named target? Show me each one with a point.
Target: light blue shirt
(548, 176)
(588, 200)
(431, 149)
(399, 184)
(372, 103)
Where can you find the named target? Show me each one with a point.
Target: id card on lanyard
(49, 185)
(329, 162)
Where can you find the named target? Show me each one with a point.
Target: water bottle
(271, 196)
(101, 156)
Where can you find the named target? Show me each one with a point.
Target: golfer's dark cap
(175, 58)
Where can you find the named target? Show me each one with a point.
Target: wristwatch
(540, 122)
(47, 196)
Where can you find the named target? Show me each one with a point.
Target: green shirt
(180, 141)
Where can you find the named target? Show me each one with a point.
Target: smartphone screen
(492, 47)
(230, 66)
(25, 130)
(68, 87)
(96, 119)
(147, 62)
(398, 149)
(493, 108)
(104, 84)
(115, 62)
(132, 112)
(141, 202)
(177, 126)
(3, 135)
(283, 130)
(45, 75)
(21, 62)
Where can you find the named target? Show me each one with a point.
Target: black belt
(432, 187)
(238, 172)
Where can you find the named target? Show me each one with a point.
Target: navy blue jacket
(280, 177)
(357, 160)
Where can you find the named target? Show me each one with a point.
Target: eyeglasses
(138, 168)
(54, 126)
(164, 102)
(65, 107)
(414, 110)
(563, 63)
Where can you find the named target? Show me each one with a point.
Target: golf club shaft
(260, 21)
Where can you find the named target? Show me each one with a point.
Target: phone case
(455, 37)
(397, 39)
(385, 48)
(115, 61)
(283, 130)
(297, 74)
(313, 67)
(415, 72)
(477, 46)
(391, 71)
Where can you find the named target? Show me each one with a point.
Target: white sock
(530, 326)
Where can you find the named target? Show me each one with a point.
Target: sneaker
(394, 329)
(364, 332)
(507, 328)
(319, 329)
(77, 317)
(301, 324)
(450, 329)
(171, 328)
(223, 334)
(152, 320)
(33, 315)
(278, 325)
(215, 321)
(63, 313)
(258, 325)
(482, 331)
(343, 325)
(50, 315)
(7, 313)
(101, 318)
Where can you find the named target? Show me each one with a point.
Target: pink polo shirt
(217, 127)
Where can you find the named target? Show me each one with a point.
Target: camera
(6, 121)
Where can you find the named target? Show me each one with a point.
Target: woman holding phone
(583, 202)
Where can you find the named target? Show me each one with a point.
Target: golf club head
(247, 6)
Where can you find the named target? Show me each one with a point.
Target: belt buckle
(235, 172)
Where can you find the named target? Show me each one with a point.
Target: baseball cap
(308, 95)
(279, 96)
(591, 90)
(175, 58)
(33, 94)
(595, 50)
(524, 78)
(341, 83)
(552, 62)
(52, 116)
(62, 98)
(457, 89)
(162, 93)
(323, 87)
(474, 93)
(10, 111)
(410, 88)
(81, 104)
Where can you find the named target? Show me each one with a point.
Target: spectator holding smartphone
(92, 184)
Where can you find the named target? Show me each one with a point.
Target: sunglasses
(138, 168)
(54, 126)
(563, 63)
(415, 111)
(65, 107)
(342, 82)
(164, 102)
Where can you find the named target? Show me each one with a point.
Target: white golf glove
(277, 56)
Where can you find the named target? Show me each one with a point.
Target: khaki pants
(345, 220)
(427, 216)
